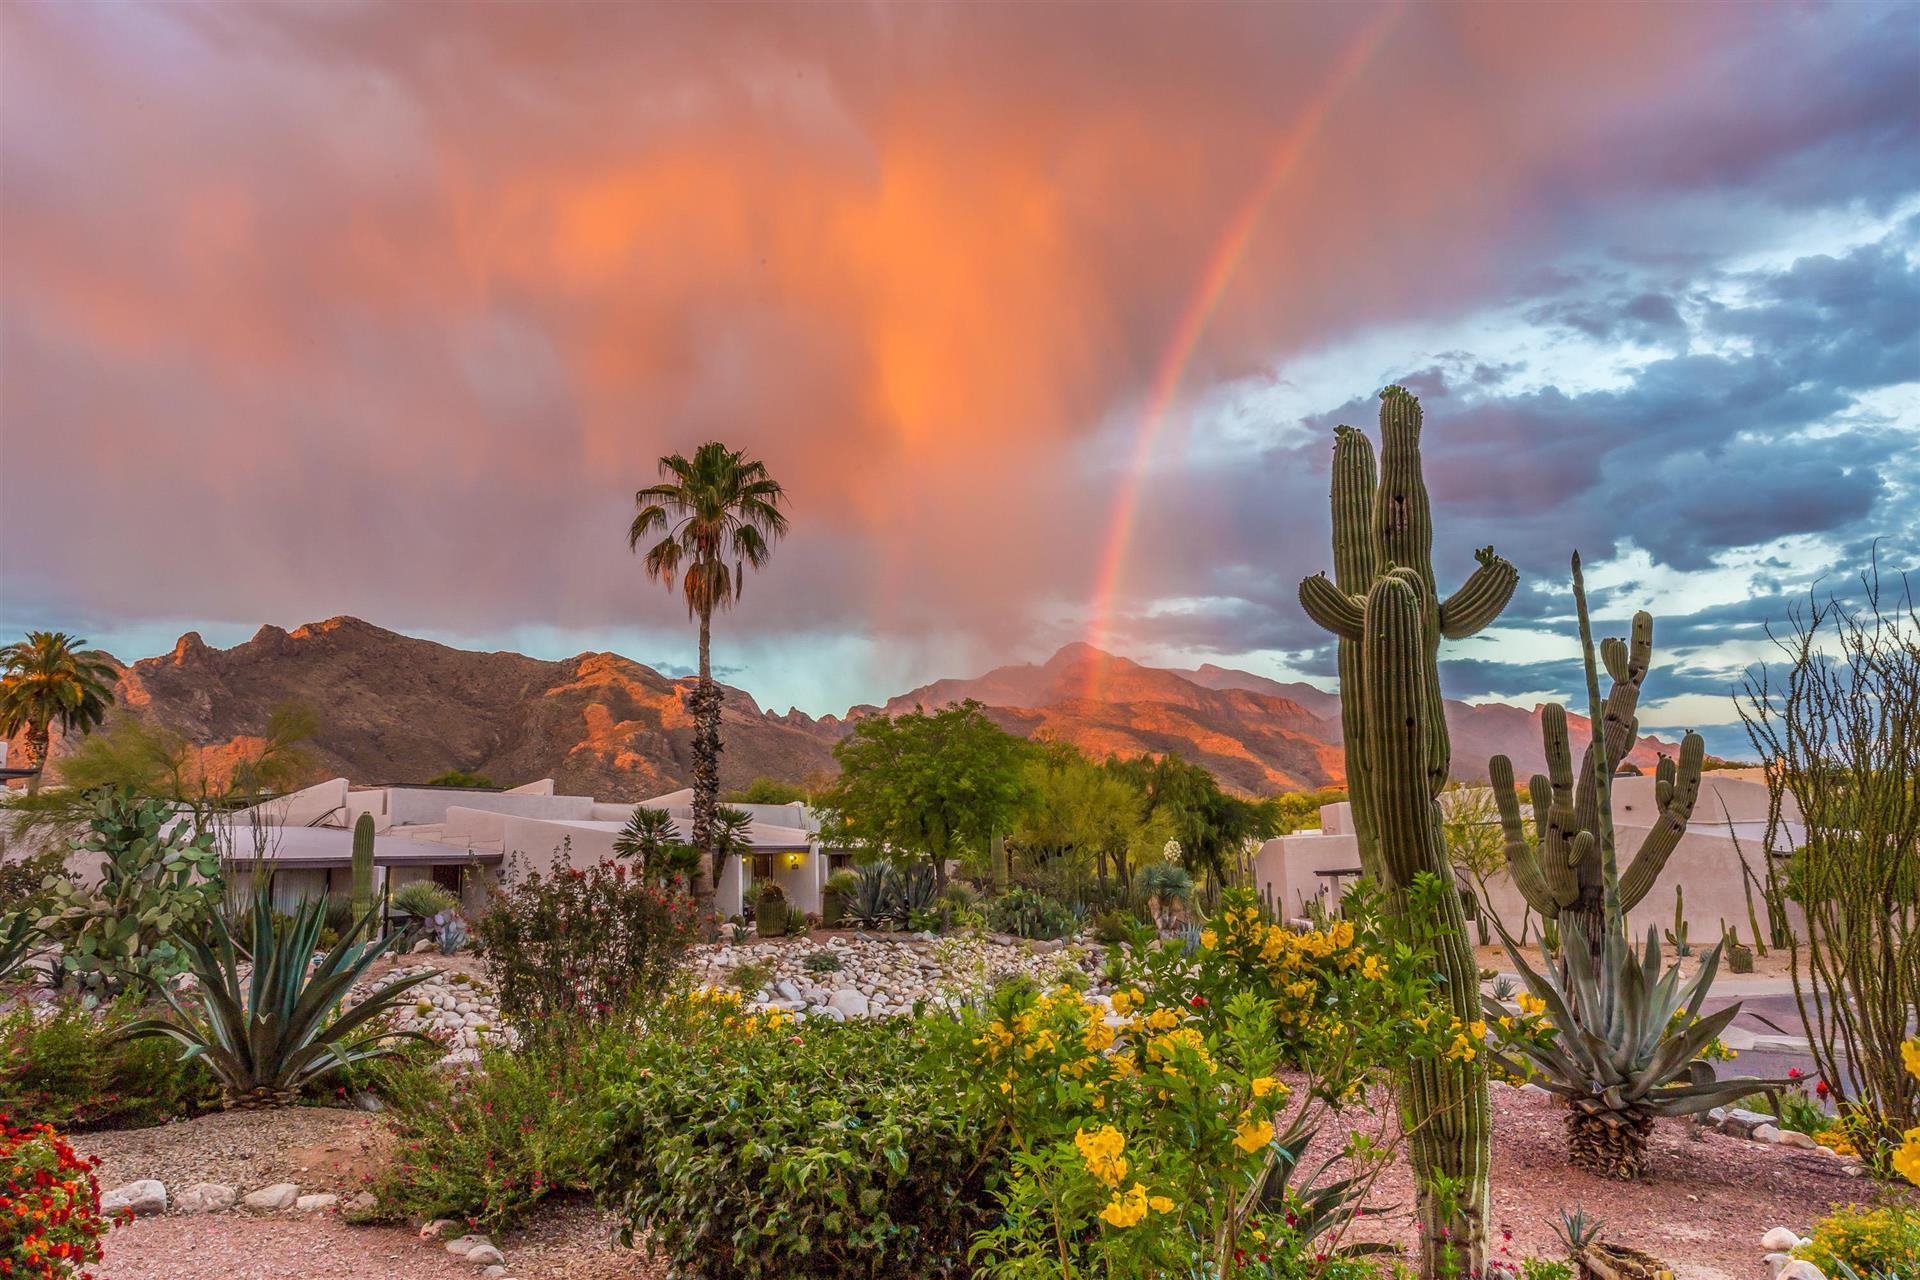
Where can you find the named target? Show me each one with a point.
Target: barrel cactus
(1383, 608)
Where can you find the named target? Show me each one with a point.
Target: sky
(1043, 315)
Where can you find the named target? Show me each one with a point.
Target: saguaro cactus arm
(1480, 598)
(1677, 790)
(1331, 608)
(1526, 868)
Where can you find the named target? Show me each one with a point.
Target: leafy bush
(50, 1223)
(283, 1027)
(461, 778)
(23, 881)
(157, 878)
(1885, 1240)
(69, 1068)
(1114, 927)
(569, 945)
(751, 977)
(743, 1148)
(422, 899)
(487, 1145)
(821, 962)
(1027, 914)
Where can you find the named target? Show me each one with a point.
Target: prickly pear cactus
(1383, 607)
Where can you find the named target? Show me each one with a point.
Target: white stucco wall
(411, 805)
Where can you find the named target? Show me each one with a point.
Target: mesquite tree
(1574, 876)
(1839, 729)
(1383, 608)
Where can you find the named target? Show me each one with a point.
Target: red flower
(1821, 1088)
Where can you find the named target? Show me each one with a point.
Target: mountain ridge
(396, 708)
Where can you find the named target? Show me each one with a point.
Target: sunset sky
(1043, 313)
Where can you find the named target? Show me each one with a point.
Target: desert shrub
(1883, 1240)
(1114, 927)
(570, 944)
(158, 878)
(50, 1223)
(1028, 914)
(486, 1146)
(745, 1146)
(68, 1068)
(751, 977)
(461, 778)
(1166, 1145)
(23, 880)
(423, 899)
(821, 962)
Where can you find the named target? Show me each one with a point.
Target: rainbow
(1221, 265)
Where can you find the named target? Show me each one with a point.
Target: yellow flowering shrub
(1874, 1242)
(1144, 1135)
(1906, 1157)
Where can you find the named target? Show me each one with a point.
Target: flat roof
(325, 847)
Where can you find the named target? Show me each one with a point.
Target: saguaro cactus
(362, 868)
(1573, 878)
(1385, 611)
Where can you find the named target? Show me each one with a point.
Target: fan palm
(266, 1035)
(48, 678)
(711, 516)
(652, 840)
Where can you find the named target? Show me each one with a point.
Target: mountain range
(395, 708)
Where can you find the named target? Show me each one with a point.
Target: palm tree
(50, 676)
(714, 514)
(645, 840)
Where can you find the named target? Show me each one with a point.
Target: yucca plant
(266, 1035)
(1617, 1053)
(19, 933)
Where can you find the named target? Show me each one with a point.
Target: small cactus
(1677, 936)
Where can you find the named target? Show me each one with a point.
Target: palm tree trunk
(38, 738)
(705, 705)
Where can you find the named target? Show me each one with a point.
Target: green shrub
(1546, 1269)
(1115, 927)
(485, 1146)
(821, 962)
(461, 778)
(1872, 1242)
(742, 1149)
(1027, 914)
(570, 945)
(23, 881)
(751, 977)
(68, 1069)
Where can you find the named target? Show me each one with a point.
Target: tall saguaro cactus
(362, 868)
(1574, 878)
(1383, 607)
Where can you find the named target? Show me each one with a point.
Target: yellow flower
(1478, 1028)
(1906, 1161)
(1101, 1151)
(1253, 1134)
(1264, 1085)
(1162, 1020)
(1160, 1204)
(1531, 1003)
(1374, 969)
(1462, 1048)
(1342, 934)
(1125, 1211)
(1098, 1037)
(1207, 939)
(1910, 1054)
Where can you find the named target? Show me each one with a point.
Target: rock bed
(867, 975)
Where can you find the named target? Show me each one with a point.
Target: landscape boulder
(143, 1199)
(271, 1199)
(207, 1197)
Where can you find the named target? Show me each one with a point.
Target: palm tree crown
(716, 513)
(48, 678)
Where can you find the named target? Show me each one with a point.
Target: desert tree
(1837, 721)
(52, 678)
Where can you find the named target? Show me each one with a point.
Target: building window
(838, 862)
(763, 866)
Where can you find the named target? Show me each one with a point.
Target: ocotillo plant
(1385, 611)
(363, 867)
(1574, 878)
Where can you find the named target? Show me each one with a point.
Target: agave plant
(871, 904)
(915, 890)
(19, 932)
(1313, 1208)
(1627, 1046)
(269, 1033)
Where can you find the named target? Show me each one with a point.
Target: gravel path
(315, 1148)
